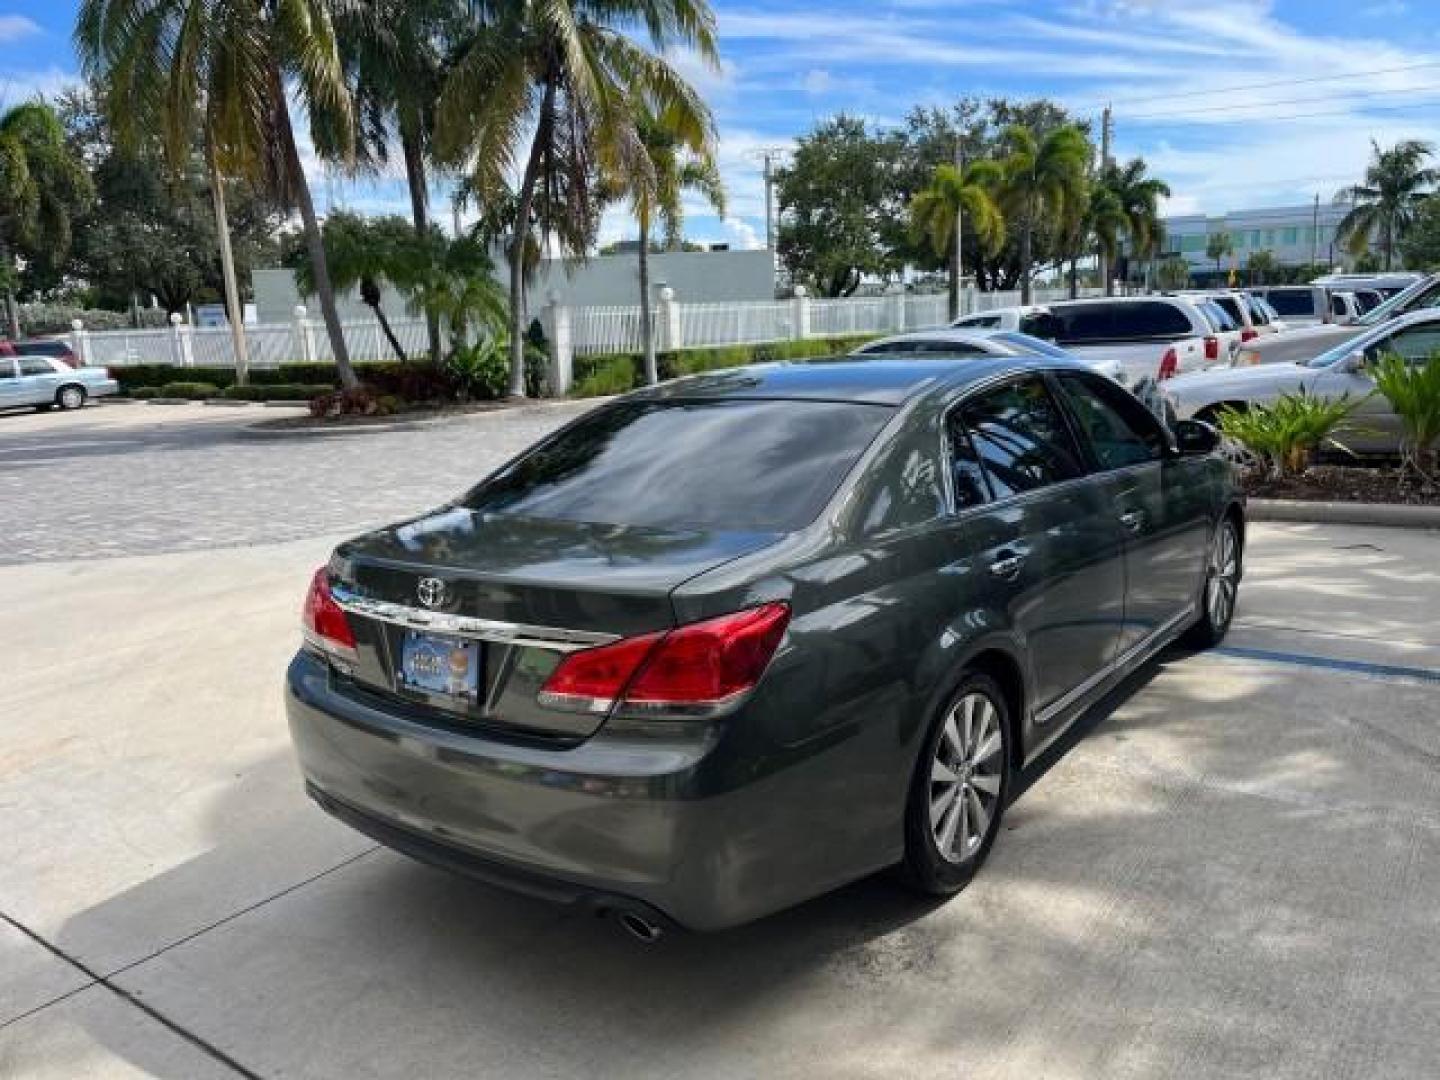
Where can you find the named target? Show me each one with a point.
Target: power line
(1307, 115)
(1262, 85)
(1183, 112)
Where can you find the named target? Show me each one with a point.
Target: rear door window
(36, 365)
(1018, 441)
(1120, 431)
(735, 465)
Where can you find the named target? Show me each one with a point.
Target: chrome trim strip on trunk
(467, 626)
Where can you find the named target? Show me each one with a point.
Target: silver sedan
(958, 344)
(44, 382)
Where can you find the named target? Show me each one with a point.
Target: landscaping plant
(1413, 391)
(1285, 435)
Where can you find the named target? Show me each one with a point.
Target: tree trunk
(233, 311)
(419, 212)
(315, 245)
(955, 273)
(1074, 277)
(520, 234)
(389, 333)
(647, 331)
(1026, 228)
(12, 310)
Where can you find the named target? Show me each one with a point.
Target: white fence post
(556, 319)
(802, 311)
(80, 342)
(897, 311)
(669, 329)
(182, 346)
(303, 341)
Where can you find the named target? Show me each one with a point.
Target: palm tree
(1396, 183)
(370, 253)
(563, 74)
(936, 213)
(42, 188)
(454, 280)
(1137, 198)
(1044, 177)
(223, 67)
(1105, 215)
(679, 158)
(1217, 246)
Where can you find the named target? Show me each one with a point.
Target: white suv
(1152, 337)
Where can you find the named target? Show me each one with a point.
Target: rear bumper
(102, 388)
(678, 828)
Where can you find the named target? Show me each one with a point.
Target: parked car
(727, 643)
(1032, 319)
(1344, 370)
(972, 343)
(1306, 343)
(1299, 305)
(1154, 337)
(1387, 283)
(1368, 299)
(1243, 310)
(43, 382)
(52, 347)
(1345, 306)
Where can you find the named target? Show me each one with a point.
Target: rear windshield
(1231, 307)
(1218, 316)
(1136, 320)
(743, 466)
(1292, 301)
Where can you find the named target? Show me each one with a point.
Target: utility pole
(1315, 233)
(957, 286)
(1103, 261)
(769, 200)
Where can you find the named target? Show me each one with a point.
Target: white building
(1294, 235)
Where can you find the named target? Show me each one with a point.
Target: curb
(1393, 515)
(259, 431)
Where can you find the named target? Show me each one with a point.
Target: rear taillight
(324, 622)
(1249, 334)
(1212, 348)
(1169, 365)
(698, 669)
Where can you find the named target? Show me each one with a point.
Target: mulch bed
(401, 416)
(1345, 483)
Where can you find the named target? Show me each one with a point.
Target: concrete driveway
(1231, 870)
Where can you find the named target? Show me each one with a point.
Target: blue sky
(1185, 80)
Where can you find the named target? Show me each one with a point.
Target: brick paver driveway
(148, 479)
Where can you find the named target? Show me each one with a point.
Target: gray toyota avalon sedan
(722, 645)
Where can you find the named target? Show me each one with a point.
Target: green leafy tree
(954, 198)
(678, 159)
(1044, 175)
(1136, 195)
(1420, 247)
(43, 187)
(842, 207)
(1382, 208)
(228, 69)
(547, 88)
(1262, 268)
(1217, 246)
(454, 280)
(1413, 391)
(1173, 273)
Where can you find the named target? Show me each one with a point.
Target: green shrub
(1286, 434)
(276, 392)
(194, 391)
(1413, 391)
(142, 393)
(614, 375)
(480, 370)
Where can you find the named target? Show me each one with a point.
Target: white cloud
(16, 86)
(744, 233)
(16, 27)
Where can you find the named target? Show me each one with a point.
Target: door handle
(1132, 520)
(1008, 566)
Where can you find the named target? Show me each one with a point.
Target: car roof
(958, 335)
(873, 381)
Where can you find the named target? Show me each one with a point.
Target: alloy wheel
(965, 777)
(71, 398)
(1224, 576)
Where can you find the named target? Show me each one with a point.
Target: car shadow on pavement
(1119, 900)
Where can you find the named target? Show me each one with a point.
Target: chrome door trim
(467, 626)
(1132, 657)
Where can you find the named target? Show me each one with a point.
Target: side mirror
(1193, 438)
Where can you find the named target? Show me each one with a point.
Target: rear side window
(36, 365)
(1010, 441)
(736, 465)
(1134, 321)
(1151, 319)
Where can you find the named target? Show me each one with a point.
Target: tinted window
(1291, 301)
(1120, 430)
(7, 368)
(967, 477)
(1337, 304)
(1083, 323)
(1231, 307)
(1416, 345)
(1020, 438)
(1220, 318)
(42, 348)
(767, 466)
(35, 365)
(1258, 315)
(1134, 321)
(981, 321)
(1040, 324)
(1151, 320)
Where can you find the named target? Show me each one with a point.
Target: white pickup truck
(1153, 337)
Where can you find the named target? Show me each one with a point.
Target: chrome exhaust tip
(640, 928)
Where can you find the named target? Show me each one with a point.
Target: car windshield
(1031, 344)
(735, 465)
(1331, 356)
(1424, 293)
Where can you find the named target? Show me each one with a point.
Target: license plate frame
(444, 670)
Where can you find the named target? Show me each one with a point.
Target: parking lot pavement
(1228, 870)
(139, 479)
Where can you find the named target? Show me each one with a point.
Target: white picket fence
(302, 340)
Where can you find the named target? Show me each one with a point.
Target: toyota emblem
(432, 592)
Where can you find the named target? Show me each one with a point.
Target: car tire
(1220, 589)
(962, 766)
(70, 397)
